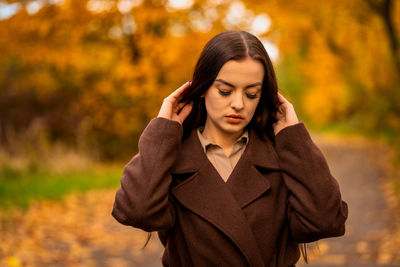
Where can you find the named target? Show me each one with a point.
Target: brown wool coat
(276, 197)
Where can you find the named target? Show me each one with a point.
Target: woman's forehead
(244, 71)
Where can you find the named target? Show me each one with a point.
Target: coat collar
(220, 203)
(260, 153)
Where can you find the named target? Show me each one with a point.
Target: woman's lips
(234, 118)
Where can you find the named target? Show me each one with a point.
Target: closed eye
(224, 93)
(252, 96)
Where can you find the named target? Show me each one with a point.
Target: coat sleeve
(143, 200)
(315, 206)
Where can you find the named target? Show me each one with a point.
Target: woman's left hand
(285, 116)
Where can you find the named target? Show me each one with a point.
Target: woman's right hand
(171, 106)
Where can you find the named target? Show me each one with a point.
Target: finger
(179, 106)
(185, 111)
(282, 98)
(280, 109)
(178, 93)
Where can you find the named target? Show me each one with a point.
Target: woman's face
(233, 97)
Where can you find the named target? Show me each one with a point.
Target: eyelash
(226, 93)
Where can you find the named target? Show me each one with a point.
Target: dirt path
(369, 239)
(80, 231)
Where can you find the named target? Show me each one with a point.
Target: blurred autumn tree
(88, 73)
(347, 54)
(92, 73)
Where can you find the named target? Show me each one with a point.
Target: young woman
(226, 174)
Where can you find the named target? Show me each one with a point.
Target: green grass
(19, 188)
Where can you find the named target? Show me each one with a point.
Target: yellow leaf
(13, 261)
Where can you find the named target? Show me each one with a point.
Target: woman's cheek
(253, 108)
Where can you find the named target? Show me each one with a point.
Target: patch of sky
(8, 10)
(174, 5)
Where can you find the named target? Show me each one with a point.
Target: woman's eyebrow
(231, 85)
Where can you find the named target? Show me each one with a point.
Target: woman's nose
(237, 101)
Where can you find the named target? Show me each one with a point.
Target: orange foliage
(71, 66)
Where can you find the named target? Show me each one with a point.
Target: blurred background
(80, 79)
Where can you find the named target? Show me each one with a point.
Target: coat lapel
(220, 203)
(246, 182)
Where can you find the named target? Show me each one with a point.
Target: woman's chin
(232, 128)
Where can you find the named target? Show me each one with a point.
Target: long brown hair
(225, 46)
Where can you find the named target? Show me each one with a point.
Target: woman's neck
(223, 139)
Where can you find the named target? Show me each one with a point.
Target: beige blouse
(216, 155)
